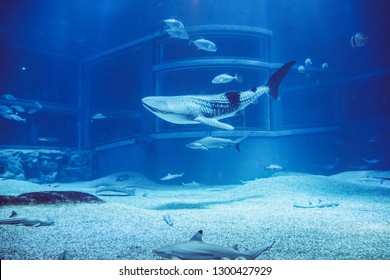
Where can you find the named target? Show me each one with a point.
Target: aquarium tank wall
(73, 74)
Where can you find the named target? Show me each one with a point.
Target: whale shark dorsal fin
(213, 122)
(197, 236)
(233, 97)
(13, 214)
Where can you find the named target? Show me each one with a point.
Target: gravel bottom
(247, 216)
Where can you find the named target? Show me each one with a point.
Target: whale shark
(197, 249)
(15, 219)
(210, 109)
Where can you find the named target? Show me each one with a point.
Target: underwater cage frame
(44, 114)
(148, 149)
(153, 59)
(104, 112)
(110, 85)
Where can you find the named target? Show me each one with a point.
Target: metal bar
(217, 62)
(123, 47)
(238, 133)
(40, 51)
(46, 106)
(231, 29)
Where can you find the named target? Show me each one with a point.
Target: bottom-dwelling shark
(209, 109)
(197, 249)
(15, 219)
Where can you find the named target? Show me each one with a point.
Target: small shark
(372, 161)
(113, 190)
(197, 249)
(171, 176)
(209, 109)
(319, 204)
(210, 142)
(193, 184)
(14, 219)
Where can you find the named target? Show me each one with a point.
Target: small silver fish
(174, 24)
(6, 110)
(206, 45)
(47, 139)
(273, 167)
(35, 108)
(178, 33)
(16, 118)
(38, 105)
(8, 96)
(99, 116)
(171, 176)
(18, 108)
(226, 78)
(5, 115)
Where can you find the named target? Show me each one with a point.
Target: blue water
(72, 76)
(82, 58)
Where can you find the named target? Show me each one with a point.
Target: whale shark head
(172, 109)
(156, 104)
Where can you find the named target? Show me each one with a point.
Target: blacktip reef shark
(197, 249)
(15, 219)
(171, 176)
(209, 109)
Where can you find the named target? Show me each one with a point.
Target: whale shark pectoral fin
(214, 123)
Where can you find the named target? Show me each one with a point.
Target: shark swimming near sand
(15, 219)
(197, 249)
(210, 109)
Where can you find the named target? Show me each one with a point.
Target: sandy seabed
(249, 215)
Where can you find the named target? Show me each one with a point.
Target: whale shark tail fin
(276, 78)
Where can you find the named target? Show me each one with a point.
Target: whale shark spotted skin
(197, 249)
(209, 109)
